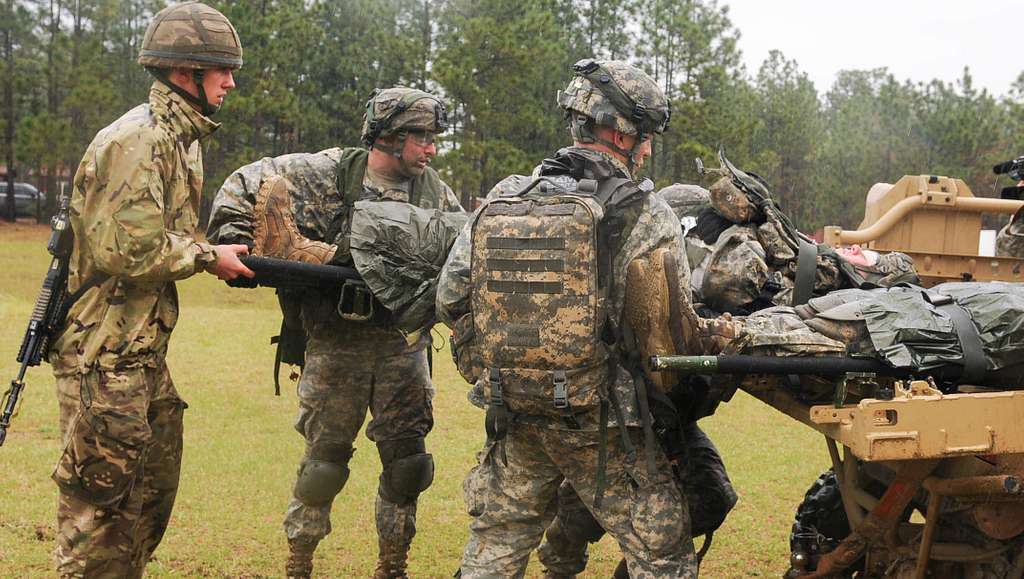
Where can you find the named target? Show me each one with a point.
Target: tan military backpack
(540, 298)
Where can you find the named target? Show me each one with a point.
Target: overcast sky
(915, 39)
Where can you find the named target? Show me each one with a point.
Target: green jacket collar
(176, 110)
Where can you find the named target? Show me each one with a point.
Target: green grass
(241, 452)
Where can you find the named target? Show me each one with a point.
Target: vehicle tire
(820, 523)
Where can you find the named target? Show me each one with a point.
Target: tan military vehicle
(924, 483)
(935, 220)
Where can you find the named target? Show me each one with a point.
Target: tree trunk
(9, 106)
(75, 115)
(52, 105)
(427, 44)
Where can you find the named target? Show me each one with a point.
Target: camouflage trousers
(518, 483)
(118, 473)
(709, 493)
(345, 376)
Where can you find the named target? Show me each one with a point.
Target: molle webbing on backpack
(539, 310)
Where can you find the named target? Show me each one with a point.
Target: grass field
(241, 452)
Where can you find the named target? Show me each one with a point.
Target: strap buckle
(494, 381)
(356, 301)
(561, 392)
(937, 299)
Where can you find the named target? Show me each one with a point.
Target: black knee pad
(408, 469)
(323, 474)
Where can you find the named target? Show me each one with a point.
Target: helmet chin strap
(582, 131)
(395, 151)
(209, 109)
(199, 100)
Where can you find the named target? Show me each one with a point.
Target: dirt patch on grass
(23, 230)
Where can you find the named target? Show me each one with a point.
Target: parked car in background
(27, 199)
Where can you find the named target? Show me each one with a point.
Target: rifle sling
(65, 306)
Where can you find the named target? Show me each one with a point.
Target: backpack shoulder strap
(351, 170)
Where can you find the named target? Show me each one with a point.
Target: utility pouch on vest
(464, 350)
(538, 309)
(356, 302)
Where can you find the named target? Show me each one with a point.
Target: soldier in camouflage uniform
(745, 253)
(1010, 239)
(604, 452)
(134, 206)
(976, 325)
(300, 207)
(709, 492)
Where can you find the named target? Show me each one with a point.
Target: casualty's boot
(300, 559)
(652, 300)
(667, 318)
(274, 230)
(391, 561)
(728, 201)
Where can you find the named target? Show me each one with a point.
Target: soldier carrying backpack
(534, 290)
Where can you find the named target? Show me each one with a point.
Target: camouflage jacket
(655, 226)
(318, 195)
(744, 251)
(320, 182)
(134, 212)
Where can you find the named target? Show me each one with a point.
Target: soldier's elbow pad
(405, 478)
(320, 481)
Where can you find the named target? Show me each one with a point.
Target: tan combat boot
(300, 559)
(652, 310)
(729, 202)
(663, 318)
(274, 230)
(391, 561)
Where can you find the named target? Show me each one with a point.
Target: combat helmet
(194, 36)
(613, 94)
(401, 110)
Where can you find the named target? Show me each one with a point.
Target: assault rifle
(48, 315)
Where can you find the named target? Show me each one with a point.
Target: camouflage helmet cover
(191, 35)
(400, 108)
(616, 94)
